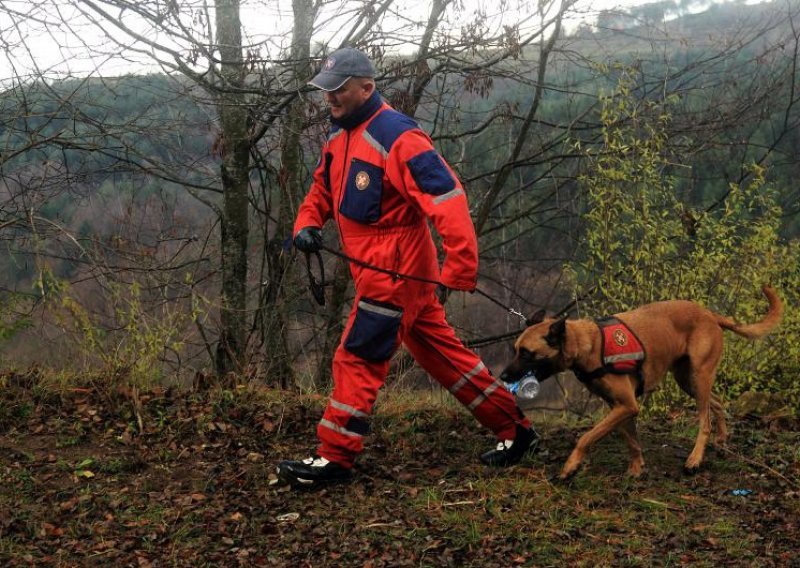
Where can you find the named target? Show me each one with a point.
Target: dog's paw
(639, 473)
(644, 475)
(563, 481)
(691, 470)
(567, 474)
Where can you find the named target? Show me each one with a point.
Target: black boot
(509, 452)
(312, 472)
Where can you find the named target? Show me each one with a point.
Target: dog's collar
(588, 376)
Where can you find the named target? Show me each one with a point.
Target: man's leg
(345, 422)
(360, 365)
(434, 345)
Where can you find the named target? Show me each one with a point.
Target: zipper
(396, 261)
(343, 182)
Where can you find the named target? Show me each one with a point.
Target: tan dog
(678, 336)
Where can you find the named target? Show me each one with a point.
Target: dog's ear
(538, 317)
(557, 333)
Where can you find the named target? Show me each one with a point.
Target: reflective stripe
(338, 429)
(449, 195)
(484, 395)
(388, 312)
(624, 357)
(334, 135)
(477, 401)
(348, 409)
(478, 368)
(457, 385)
(375, 144)
(466, 378)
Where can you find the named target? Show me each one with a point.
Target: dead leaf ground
(80, 485)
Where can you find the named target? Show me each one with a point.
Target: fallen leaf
(67, 505)
(51, 530)
(104, 545)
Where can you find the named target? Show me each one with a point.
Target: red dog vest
(621, 352)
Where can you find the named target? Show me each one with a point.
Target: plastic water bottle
(526, 388)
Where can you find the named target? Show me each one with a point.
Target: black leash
(318, 290)
(317, 286)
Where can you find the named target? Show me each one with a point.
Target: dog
(676, 335)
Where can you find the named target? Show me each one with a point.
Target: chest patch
(362, 180)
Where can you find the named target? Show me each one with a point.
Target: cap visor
(328, 81)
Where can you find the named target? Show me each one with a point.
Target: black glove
(442, 293)
(308, 239)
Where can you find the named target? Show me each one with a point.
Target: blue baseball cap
(339, 66)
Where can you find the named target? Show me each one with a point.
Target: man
(379, 178)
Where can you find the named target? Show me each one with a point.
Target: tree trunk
(230, 355)
(290, 179)
(505, 171)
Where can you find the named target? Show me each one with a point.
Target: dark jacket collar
(361, 114)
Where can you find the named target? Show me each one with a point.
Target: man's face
(349, 97)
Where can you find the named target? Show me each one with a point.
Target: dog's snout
(511, 372)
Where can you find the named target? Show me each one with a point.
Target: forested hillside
(117, 218)
(161, 351)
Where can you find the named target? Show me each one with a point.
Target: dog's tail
(761, 328)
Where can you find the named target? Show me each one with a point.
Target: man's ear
(538, 317)
(557, 333)
(369, 87)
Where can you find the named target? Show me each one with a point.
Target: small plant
(128, 345)
(14, 317)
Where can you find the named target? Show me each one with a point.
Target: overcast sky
(57, 39)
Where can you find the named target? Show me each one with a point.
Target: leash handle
(317, 287)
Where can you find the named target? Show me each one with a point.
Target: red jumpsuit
(380, 180)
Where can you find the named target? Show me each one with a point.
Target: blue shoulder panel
(431, 174)
(387, 127)
(334, 132)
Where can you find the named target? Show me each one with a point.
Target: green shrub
(129, 343)
(642, 245)
(14, 316)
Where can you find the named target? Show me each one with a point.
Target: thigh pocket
(362, 194)
(373, 336)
